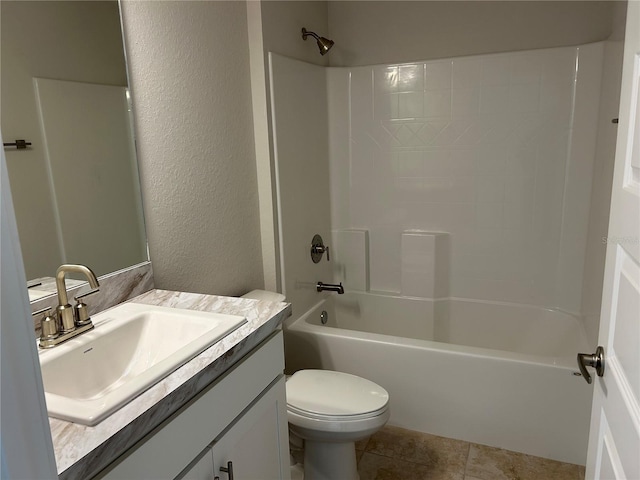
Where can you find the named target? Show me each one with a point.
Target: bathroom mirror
(75, 190)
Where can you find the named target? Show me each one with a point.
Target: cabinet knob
(228, 470)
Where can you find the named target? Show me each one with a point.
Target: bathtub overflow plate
(324, 317)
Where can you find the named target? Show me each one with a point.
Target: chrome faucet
(65, 310)
(330, 287)
(67, 321)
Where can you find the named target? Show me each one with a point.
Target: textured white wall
(282, 22)
(262, 143)
(372, 32)
(189, 72)
(274, 26)
(618, 21)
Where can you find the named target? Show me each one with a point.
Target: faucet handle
(48, 325)
(80, 309)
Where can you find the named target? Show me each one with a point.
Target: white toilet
(330, 411)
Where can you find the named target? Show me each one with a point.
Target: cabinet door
(163, 453)
(199, 469)
(257, 443)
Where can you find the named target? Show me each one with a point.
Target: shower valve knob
(318, 248)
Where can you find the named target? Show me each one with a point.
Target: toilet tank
(265, 295)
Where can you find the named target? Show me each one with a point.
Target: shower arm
(305, 33)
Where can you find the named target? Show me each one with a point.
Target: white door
(614, 441)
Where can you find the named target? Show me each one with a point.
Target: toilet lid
(334, 394)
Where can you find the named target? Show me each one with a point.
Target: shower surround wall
(495, 150)
(299, 113)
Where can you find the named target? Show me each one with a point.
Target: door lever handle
(594, 360)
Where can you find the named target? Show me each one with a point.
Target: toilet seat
(344, 429)
(335, 418)
(334, 396)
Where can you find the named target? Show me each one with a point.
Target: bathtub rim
(532, 306)
(565, 362)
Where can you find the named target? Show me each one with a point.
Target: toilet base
(330, 461)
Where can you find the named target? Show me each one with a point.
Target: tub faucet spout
(330, 287)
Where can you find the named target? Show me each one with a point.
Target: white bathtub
(485, 372)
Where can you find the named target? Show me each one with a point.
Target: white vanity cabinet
(200, 469)
(240, 418)
(250, 447)
(252, 444)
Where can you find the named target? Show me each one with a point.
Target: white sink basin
(132, 347)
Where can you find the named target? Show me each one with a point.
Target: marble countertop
(82, 451)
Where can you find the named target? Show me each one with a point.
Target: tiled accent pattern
(475, 146)
(395, 453)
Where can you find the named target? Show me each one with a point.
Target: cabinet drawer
(166, 451)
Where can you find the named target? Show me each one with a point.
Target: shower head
(324, 44)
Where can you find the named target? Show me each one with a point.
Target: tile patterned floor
(397, 454)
